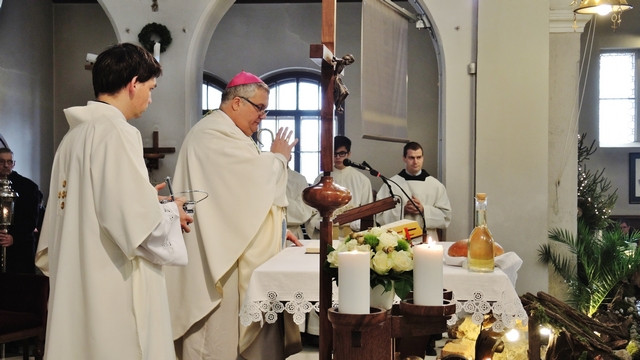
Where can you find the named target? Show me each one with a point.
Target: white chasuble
(105, 302)
(242, 215)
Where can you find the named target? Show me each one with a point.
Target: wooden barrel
(361, 336)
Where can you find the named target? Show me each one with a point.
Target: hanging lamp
(604, 7)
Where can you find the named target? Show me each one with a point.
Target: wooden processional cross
(326, 196)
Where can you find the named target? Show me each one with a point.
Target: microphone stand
(376, 173)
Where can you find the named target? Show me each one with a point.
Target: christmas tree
(594, 199)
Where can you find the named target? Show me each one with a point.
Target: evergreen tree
(594, 200)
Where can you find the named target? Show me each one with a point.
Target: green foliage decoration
(604, 261)
(153, 32)
(595, 198)
(602, 258)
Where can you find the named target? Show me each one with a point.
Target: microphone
(371, 170)
(366, 167)
(347, 162)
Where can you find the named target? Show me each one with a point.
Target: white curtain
(384, 72)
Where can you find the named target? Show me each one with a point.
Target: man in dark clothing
(20, 238)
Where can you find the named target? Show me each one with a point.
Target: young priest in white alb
(105, 234)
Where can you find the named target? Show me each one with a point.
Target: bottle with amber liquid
(480, 251)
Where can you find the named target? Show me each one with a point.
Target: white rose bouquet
(391, 259)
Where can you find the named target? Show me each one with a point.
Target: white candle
(353, 284)
(427, 274)
(156, 51)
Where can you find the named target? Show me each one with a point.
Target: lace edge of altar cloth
(506, 311)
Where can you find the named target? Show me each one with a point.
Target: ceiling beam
(237, 1)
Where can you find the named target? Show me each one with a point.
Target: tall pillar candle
(427, 274)
(353, 282)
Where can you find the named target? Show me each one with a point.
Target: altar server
(105, 234)
(239, 228)
(427, 193)
(356, 182)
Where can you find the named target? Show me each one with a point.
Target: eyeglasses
(260, 109)
(8, 162)
(340, 154)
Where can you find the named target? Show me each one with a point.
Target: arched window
(295, 102)
(212, 87)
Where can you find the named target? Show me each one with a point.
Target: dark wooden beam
(74, 1)
(287, 1)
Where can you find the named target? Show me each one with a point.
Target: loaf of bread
(460, 247)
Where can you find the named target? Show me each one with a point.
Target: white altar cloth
(290, 282)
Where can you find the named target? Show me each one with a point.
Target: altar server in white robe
(106, 234)
(240, 225)
(428, 194)
(356, 182)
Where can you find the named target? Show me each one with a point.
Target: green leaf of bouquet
(403, 288)
(402, 245)
(372, 240)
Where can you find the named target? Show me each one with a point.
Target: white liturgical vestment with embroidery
(103, 220)
(238, 227)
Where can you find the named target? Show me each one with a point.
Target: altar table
(290, 282)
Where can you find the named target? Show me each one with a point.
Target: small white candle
(156, 51)
(353, 287)
(427, 274)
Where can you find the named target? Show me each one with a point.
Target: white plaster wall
(73, 84)
(512, 128)
(454, 25)
(564, 65)
(26, 85)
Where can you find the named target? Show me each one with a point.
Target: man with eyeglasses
(237, 229)
(20, 240)
(357, 183)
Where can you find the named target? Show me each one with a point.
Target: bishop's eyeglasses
(259, 108)
(8, 162)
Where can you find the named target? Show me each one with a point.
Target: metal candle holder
(7, 200)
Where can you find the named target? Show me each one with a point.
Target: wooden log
(566, 317)
(582, 318)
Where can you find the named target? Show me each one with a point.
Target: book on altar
(409, 228)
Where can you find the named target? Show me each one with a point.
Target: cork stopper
(481, 196)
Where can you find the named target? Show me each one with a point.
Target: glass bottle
(480, 250)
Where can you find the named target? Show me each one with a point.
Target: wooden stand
(412, 326)
(404, 330)
(362, 336)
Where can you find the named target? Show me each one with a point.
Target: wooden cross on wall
(153, 154)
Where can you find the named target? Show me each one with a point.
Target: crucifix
(153, 154)
(326, 196)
